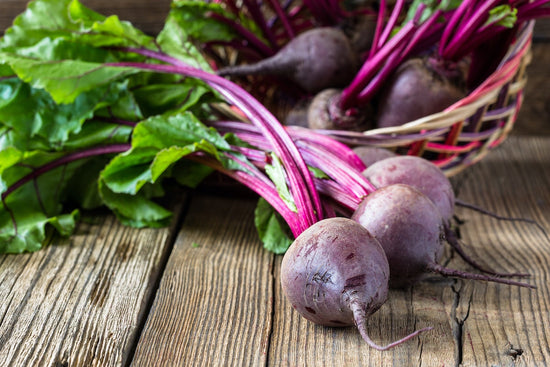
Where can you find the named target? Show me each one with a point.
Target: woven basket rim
(518, 55)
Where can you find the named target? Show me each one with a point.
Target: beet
(426, 177)
(324, 113)
(418, 88)
(370, 155)
(316, 59)
(418, 173)
(336, 274)
(412, 232)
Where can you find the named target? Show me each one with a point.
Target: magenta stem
(259, 19)
(283, 17)
(250, 37)
(453, 23)
(372, 65)
(71, 157)
(261, 186)
(452, 50)
(397, 8)
(379, 28)
(301, 183)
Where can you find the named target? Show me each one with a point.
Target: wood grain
(80, 301)
(214, 304)
(507, 325)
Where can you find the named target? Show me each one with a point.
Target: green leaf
(129, 171)
(95, 133)
(31, 233)
(174, 41)
(317, 173)
(431, 7)
(502, 15)
(65, 80)
(83, 185)
(135, 210)
(178, 129)
(193, 17)
(42, 123)
(71, 21)
(157, 144)
(272, 229)
(277, 174)
(26, 212)
(190, 174)
(9, 157)
(155, 99)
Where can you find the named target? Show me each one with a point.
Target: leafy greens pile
(75, 132)
(93, 112)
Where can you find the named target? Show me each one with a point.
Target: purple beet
(418, 88)
(370, 155)
(336, 274)
(317, 59)
(418, 173)
(412, 232)
(426, 177)
(324, 113)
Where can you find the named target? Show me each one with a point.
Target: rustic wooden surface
(204, 292)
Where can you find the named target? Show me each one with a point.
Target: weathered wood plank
(80, 301)
(506, 325)
(534, 115)
(214, 304)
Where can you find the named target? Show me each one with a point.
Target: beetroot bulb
(316, 59)
(418, 88)
(419, 173)
(325, 113)
(370, 155)
(429, 179)
(411, 231)
(336, 274)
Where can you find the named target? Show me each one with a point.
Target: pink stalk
(451, 51)
(335, 147)
(300, 180)
(71, 157)
(397, 8)
(350, 179)
(258, 17)
(258, 185)
(245, 34)
(283, 17)
(379, 28)
(372, 65)
(453, 22)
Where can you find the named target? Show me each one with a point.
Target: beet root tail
(361, 323)
(455, 244)
(269, 66)
(436, 268)
(501, 217)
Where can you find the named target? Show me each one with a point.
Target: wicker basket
(490, 112)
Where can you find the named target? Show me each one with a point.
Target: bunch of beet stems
(457, 33)
(389, 51)
(289, 19)
(281, 28)
(296, 154)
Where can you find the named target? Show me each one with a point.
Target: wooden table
(204, 292)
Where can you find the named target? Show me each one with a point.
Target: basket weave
(489, 112)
